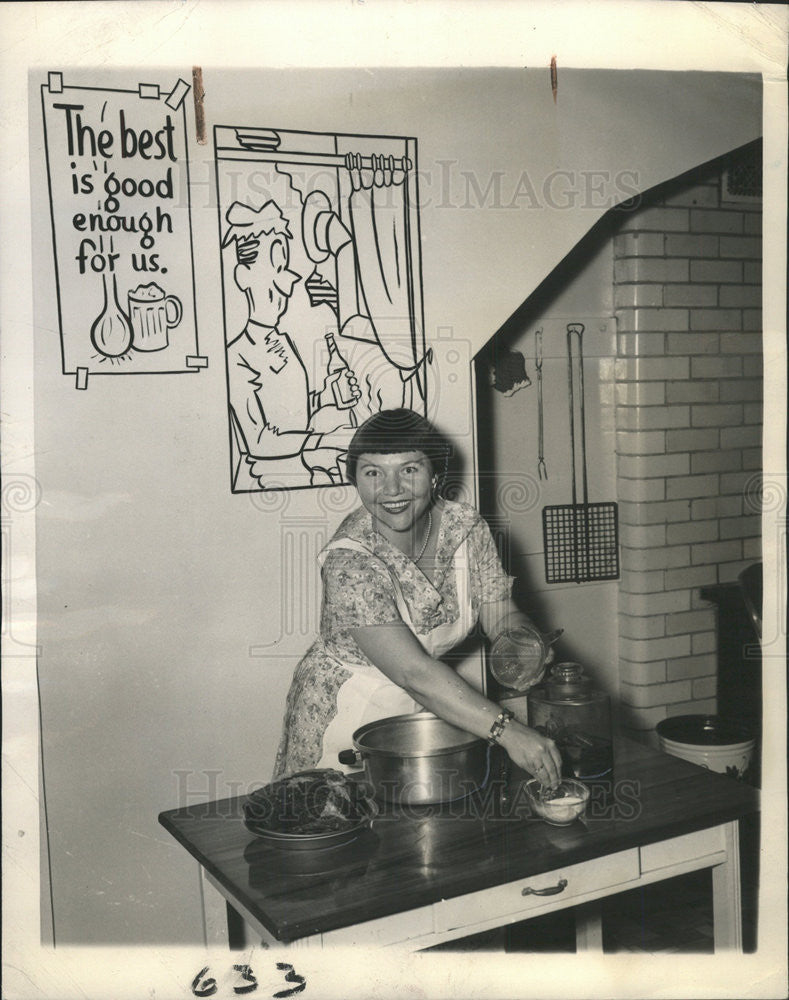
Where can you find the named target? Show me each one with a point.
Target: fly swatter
(581, 540)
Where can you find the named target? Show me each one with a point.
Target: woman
(406, 577)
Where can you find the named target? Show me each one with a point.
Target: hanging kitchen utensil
(542, 472)
(581, 540)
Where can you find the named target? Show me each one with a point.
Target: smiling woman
(397, 490)
(406, 578)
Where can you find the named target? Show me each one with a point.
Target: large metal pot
(418, 759)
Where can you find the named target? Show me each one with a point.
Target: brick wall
(687, 287)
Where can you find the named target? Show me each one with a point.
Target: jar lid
(567, 680)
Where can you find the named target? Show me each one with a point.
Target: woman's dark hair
(392, 431)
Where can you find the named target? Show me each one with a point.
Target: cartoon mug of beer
(153, 313)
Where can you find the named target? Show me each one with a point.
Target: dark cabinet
(738, 606)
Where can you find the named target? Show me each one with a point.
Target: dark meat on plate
(310, 802)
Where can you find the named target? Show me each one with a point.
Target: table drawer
(397, 928)
(552, 890)
(689, 848)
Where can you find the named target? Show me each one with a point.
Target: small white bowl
(568, 805)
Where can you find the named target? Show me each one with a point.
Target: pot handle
(349, 757)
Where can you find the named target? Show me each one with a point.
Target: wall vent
(742, 178)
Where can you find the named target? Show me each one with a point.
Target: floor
(676, 915)
(668, 917)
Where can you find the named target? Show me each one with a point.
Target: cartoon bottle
(111, 333)
(344, 400)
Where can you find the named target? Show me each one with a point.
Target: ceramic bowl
(715, 743)
(569, 801)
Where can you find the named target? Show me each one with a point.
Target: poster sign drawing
(319, 236)
(118, 175)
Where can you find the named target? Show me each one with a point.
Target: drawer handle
(552, 890)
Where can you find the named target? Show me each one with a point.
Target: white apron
(368, 694)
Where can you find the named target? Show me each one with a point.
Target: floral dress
(368, 581)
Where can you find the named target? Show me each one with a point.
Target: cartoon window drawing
(118, 174)
(322, 295)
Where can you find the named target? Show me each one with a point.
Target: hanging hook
(542, 472)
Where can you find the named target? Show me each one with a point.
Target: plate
(342, 861)
(306, 795)
(308, 841)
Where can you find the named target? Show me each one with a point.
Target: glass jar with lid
(567, 708)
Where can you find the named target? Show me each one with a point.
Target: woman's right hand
(533, 752)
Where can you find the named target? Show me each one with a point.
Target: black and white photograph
(394, 499)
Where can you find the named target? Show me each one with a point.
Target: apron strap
(442, 637)
(350, 543)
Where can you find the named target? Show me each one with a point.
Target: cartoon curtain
(378, 207)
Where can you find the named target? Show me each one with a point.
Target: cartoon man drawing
(281, 425)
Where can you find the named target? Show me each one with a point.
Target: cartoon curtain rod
(267, 141)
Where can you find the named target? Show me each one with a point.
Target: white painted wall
(167, 640)
(509, 441)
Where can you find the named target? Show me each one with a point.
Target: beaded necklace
(427, 536)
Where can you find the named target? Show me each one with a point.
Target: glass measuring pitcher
(519, 655)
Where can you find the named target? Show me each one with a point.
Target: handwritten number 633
(204, 985)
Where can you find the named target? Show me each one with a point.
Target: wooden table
(428, 875)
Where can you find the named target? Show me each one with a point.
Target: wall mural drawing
(322, 296)
(118, 175)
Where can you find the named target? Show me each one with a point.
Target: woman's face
(396, 490)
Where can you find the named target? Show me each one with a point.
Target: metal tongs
(542, 472)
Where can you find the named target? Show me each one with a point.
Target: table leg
(589, 927)
(726, 893)
(236, 929)
(231, 926)
(215, 914)
(224, 926)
